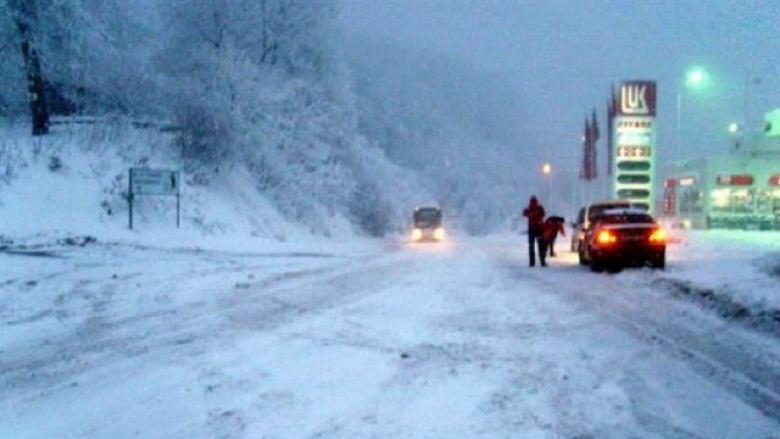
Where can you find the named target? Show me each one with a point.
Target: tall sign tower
(634, 140)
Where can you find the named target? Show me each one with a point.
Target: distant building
(739, 189)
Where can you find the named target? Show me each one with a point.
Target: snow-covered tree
(25, 16)
(89, 56)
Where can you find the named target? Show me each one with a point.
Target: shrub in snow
(369, 211)
(55, 163)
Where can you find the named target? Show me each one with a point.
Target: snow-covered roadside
(746, 262)
(736, 273)
(731, 272)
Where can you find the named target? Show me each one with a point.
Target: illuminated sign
(640, 124)
(687, 181)
(735, 180)
(630, 194)
(637, 98)
(633, 151)
(772, 123)
(669, 197)
(634, 138)
(634, 143)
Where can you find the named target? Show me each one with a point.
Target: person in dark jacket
(535, 214)
(552, 226)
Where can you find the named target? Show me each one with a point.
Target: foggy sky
(562, 55)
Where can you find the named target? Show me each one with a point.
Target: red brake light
(658, 236)
(605, 237)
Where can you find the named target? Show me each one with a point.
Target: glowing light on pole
(736, 131)
(695, 79)
(547, 171)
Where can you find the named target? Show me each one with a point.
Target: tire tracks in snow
(730, 361)
(271, 303)
(95, 333)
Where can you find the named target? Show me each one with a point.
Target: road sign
(145, 181)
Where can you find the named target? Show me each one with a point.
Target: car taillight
(658, 236)
(605, 237)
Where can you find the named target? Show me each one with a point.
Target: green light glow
(733, 128)
(696, 78)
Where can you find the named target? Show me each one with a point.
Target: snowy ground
(385, 339)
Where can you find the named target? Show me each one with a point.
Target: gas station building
(739, 189)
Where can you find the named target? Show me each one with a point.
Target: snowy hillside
(459, 126)
(283, 125)
(340, 167)
(75, 182)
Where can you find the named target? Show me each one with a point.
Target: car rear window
(596, 211)
(627, 218)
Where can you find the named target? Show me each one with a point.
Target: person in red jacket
(535, 214)
(552, 226)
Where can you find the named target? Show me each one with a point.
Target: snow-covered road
(371, 339)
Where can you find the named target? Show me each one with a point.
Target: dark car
(588, 214)
(623, 237)
(427, 224)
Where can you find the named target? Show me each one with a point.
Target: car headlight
(438, 233)
(417, 234)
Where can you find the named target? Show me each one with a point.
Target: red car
(619, 238)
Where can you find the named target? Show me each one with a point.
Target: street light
(695, 79)
(736, 131)
(547, 171)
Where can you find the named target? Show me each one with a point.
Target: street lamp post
(679, 129)
(736, 131)
(695, 79)
(547, 171)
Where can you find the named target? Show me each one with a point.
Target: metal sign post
(145, 181)
(130, 197)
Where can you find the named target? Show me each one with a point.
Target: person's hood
(533, 202)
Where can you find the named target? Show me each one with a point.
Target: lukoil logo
(633, 99)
